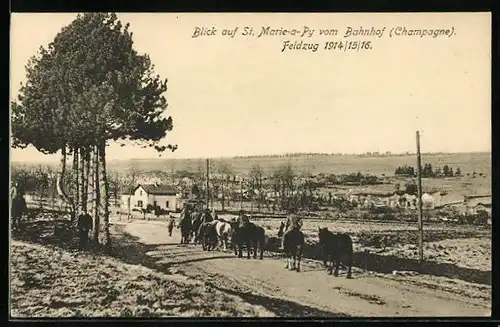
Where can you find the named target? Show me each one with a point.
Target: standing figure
(243, 219)
(293, 222)
(84, 226)
(18, 206)
(185, 224)
(170, 224)
(205, 217)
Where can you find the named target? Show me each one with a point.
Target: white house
(143, 195)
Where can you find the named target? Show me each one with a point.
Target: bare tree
(225, 171)
(256, 185)
(283, 182)
(132, 180)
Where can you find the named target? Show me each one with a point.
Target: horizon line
(291, 154)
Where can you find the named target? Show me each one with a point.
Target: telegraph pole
(208, 183)
(419, 187)
(241, 194)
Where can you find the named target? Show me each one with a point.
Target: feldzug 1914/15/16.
(348, 45)
(329, 45)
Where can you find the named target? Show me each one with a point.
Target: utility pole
(419, 187)
(241, 194)
(208, 183)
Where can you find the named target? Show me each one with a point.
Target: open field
(336, 164)
(169, 279)
(314, 164)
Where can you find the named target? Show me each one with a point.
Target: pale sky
(243, 96)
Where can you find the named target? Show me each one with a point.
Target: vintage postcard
(250, 165)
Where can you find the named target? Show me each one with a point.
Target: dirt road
(312, 292)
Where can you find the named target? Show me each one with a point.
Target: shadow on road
(280, 307)
(202, 259)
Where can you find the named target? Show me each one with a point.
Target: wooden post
(241, 194)
(208, 181)
(419, 187)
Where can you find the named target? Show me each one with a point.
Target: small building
(162, 196)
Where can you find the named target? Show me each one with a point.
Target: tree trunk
(223, 196)
(89, 176)
(96, 194)
(83, 179)
(60, 182)
(76, 181)
(104, 195)
(129, 192)
(53, 188)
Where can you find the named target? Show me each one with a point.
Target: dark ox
(293, 245)
(208, 236)
(185, 225)
(337, 248)
(199, 219)
(251, 236)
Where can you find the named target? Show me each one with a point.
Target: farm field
(315, 164)
(465, 185)
(336, 164)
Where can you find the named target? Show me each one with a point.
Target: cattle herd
(200, 226)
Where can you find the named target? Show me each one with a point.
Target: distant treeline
(429, 171)
(353, 179)
(366, 154)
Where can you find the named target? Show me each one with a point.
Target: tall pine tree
(87, 88)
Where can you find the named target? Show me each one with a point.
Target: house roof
(157, 189)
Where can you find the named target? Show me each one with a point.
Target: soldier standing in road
(293, 222)
(18, 206)
(170, 224)
(84, 226)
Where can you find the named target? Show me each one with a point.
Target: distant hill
(312, 163)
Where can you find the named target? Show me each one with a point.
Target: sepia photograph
(284, 165)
